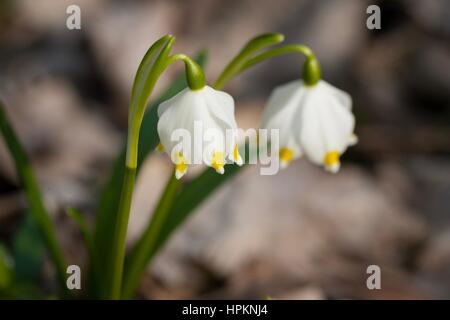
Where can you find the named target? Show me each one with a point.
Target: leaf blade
(34, 197)
(148, 140)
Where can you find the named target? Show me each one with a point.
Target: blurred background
(302, 234)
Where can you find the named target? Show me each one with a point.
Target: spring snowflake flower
(214, 111)
(313, 119)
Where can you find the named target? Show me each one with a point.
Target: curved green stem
(195, 79)
(247, 51)
(147, 75)
(138, 258)
(194, 73)
(146, 78)
(274, 52)
(149, 243)
(311, 68)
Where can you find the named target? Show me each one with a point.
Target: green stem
(145, 249)
(119, 238)
(138, 258)
(34, 198)
(247, 51)
(194, 73)
(274, 52)
(149, 243)
(196, 80)
(112, 285)
(311, 68)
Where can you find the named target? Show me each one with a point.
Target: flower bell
(313, 117)
(213, 111)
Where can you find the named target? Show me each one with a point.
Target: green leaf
(94, 272)
(83, 226)
(34, 198)
(148, 140)
(6, 268)
(178, 207)
(140, 254)
(191, 196)
(28, 251)
(174, 208)
(22, 290)
(195, 192)
(109, 200)
(16, 286)
(84, 229)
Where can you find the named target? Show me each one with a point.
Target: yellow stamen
(331, 158)
(181, 165)
(218, 161)
(286, 155)
(236, 153)
(160, 147)
(331, 161)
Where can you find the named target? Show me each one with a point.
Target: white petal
(188, 112)
(343, 97)
(239, 161)
(326, 125)
(221, 106)
(220, 171)
(231, 156)
(352, 140)
(284, 99)
(179, 174)
(172, 101)
(311, 136)
(333, 168)
(282, 112)
(284, 164)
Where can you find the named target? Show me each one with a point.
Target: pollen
(218, 161)
(286, 155)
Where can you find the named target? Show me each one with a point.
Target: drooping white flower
(315, 120)
(208, 116)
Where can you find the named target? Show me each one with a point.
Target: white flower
(315, 120)
(214, 111)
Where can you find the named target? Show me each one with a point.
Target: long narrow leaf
(190, 197)
(94, 271)
(34, 198)
(148, 140)
(28, 250)
(192, 194)
(6, 268)
(110, 198)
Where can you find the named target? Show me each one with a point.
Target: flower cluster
(313, 118)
